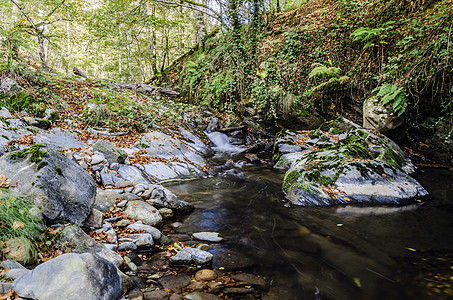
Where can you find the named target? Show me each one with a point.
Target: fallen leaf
(18, 224)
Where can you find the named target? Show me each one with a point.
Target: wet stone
(156, 295)
(215, 287)
(200, 296)
(190, 256)
(205, 275)
(208, 236)
(175, 283)
(250, 279)
(238, 290)
(196, 286)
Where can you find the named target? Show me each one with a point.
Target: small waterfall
(222, 143)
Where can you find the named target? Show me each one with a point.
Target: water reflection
(335, 253)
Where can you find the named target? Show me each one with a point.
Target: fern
(323, 71)
(391, 94)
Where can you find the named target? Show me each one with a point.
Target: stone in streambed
(156, 295)
(175, 283)
(191, 256)
(200, 296)
(208, 236)
(205, 275)
(144, 212)
(71, 277)
(250, 279)
(139, 226)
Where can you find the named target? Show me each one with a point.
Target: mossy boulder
(342, 163)
(59, 186)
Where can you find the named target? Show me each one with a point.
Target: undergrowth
(330, 58)
(16, 221)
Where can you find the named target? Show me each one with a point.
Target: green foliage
(373, 36)
(16, 221)
(392, 96)
(22, 101)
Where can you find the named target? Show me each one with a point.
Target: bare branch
(26, 16)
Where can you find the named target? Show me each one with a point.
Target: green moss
(314, 134)
(34, 151)
(59, 171)
(290, 179)
(392, 158)
(41, 164)
(315, 176)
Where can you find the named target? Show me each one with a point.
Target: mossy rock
(343, 163)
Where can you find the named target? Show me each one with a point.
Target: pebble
(176, 224)
(205, 275)
(204, 247)
(127, 246)
(123, 223)
(215, 287)
(196, 286)
(123, 184)
(166, 212)
(208, 236)
(97, 159)
(122, 203)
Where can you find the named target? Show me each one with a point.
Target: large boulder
(59, 186)
(342, 163)
(173, 157)
(83, 243)
(71, 276)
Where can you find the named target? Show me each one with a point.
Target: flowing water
(325, 253)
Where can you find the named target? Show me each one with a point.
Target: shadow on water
(319, 253)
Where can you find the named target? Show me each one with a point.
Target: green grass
(16, 221)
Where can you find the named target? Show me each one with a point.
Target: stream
(322, 253)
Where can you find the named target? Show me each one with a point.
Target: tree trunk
(42, 50)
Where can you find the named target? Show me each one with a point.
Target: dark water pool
(328, 253)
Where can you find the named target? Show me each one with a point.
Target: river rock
(83, 243)
(139, 226)
(191, 256)
(15, 273)
(105, 200)
(200, 296)
(112, 153)
(175, 283)
(258, 282)
(196, 286)
(164, 198)
(144, 212)
(71, 276)
(97, 159)
(20, 250)
(342, 163)
(59, 139)
(205, 275)
(142, 239)
(95, 219)
(11, 264)
(166, 213)
(62, 189)
(156, 295)
(208, 236)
